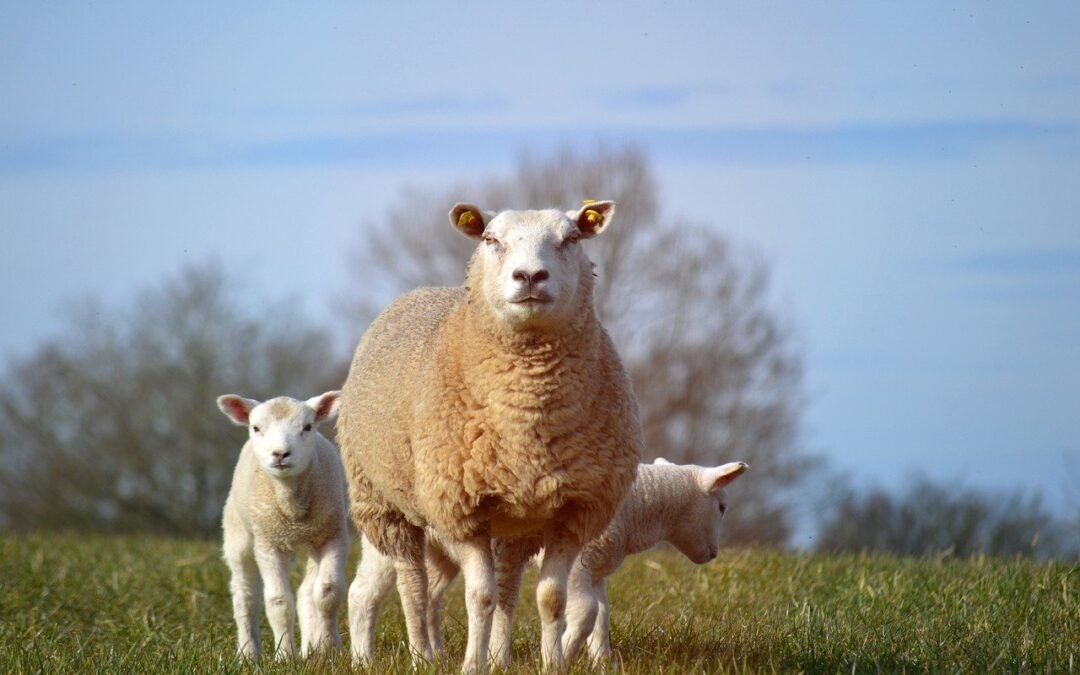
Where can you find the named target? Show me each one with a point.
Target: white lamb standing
(288, 494)
(678, 504)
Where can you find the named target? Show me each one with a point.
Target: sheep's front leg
(560, 550)
(374, 578)
(326, 581)
(478, 568)
(246, 588)
(581, 611)
(600, 640)
(277, 594)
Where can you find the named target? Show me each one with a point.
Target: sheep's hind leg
(441, 572)
(412, 588)
(511, 557)
(374, 578)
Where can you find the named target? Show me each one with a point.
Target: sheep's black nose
(531, 279)
(280, 454)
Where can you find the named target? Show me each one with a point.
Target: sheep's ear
(469, 220)
(714, 478)
(593, 218)
(325, 405)
(661, 461)
(236, 408)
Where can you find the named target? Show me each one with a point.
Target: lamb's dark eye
(255, 429)
(569, 241)
(723, 509)
(307, 427)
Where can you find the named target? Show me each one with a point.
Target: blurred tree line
(112, 425)
(926, 517)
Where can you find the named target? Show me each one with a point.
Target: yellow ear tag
(586, 202)
(593, 217)
(466, 219)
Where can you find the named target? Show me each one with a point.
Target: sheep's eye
(491, 241)
(570, 241)
(307, 427)
(255, 429)
(723, 509)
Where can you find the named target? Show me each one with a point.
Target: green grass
(84, 604)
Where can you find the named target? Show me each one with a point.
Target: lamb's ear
(469, 220)
(714, 478)
(325, 405)
(593, 218)
(661, 461)
(236, 408)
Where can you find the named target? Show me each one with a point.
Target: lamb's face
(282, 430)
(531, 262)
(697, 530)
(282, 433)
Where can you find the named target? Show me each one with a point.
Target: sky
(908, 170)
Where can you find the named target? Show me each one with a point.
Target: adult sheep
(498, 409)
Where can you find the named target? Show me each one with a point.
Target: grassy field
(142, 605)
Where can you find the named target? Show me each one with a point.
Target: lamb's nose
(281, 454)
(531, 279)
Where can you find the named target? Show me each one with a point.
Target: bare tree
(113, 426)
(713, 365)
(928, 517)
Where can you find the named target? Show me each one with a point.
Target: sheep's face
(697, 528)
(282, 430)
(531, 263)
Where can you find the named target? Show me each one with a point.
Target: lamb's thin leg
(278, 596)
(599, 641)
(327, 581)
(246, 588)
(560, 550)
(581, 610)
(374, 578)
(305, 605)
(441, 572)
(412, 588)
(478, 568)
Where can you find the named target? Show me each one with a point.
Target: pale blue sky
(910, 171)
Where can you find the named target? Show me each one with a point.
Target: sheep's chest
(519, 463)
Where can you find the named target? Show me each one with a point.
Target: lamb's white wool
(467, 412)
(288, 494)
(680, 504)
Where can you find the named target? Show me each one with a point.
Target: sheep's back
(378, 395)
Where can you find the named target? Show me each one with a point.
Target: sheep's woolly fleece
(450, 419)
